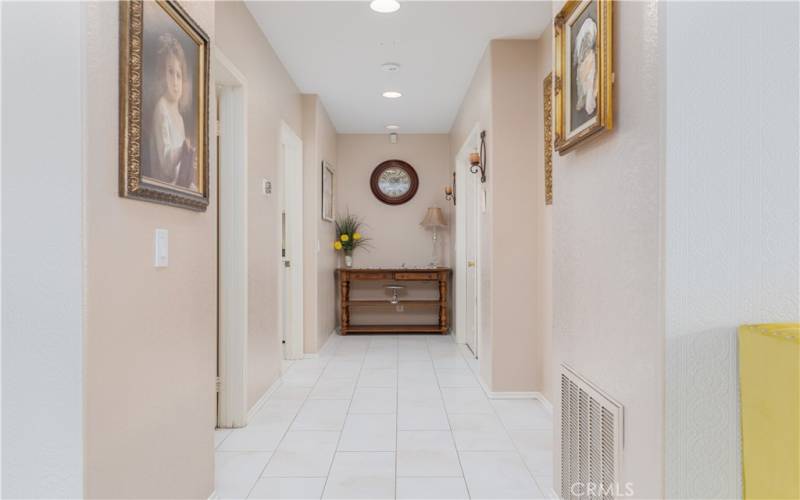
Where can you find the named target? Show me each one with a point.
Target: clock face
(394, 182)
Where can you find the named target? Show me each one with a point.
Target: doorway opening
(468, 243)
(291, 238)
(232, 265)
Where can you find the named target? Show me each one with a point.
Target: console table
(439, 275)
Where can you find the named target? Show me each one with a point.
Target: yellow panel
(769, 373)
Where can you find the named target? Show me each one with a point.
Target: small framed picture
(164, 74)
(584, 76)
(327, 192)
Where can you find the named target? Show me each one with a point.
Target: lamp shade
(433, 218)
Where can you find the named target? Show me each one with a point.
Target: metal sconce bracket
(450, 191)
(481, 163)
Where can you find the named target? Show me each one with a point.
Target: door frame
(462, 169)
(291, 198)
(232, 263)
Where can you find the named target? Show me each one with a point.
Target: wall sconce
(450, 191)
(477, 160)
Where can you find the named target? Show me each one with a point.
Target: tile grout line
(508, 434)
(346, 414)
(286, 431)
(449, 425)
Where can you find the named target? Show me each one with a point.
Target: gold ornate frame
(131, 182)
(547, 88)
(605, 73)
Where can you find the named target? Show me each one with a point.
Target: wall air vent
(591, 440)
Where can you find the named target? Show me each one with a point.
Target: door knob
(287, 263)
(470, 263)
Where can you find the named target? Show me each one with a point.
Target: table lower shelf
(393, 329)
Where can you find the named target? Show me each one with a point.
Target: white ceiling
(336, 49)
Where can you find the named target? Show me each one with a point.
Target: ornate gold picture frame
(164, 75)
(547, 89)
(584, 72)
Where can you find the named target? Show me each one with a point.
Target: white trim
(311, 355)
(461, 166)
(516, 395)
(264, 397)
(292, 201)
(213, 495)
(232, 236)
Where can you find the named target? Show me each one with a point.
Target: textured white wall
(42, 265)
(607, 299)
(732, 225)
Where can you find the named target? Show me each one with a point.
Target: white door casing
(291, 234)
(468, 229)
(232, 244)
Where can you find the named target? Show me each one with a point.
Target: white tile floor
(389, 416)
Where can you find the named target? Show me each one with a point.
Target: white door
(291, 243)
(472, 239)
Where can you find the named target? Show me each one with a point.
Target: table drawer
(416, 276)
(370, 276)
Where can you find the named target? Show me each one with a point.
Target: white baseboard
(546, 402)
(517, 395)
(311, 355)
(264, 397)
(213, 495)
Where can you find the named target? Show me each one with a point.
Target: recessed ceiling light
(384, 6)
(390, 67)
(392, 127)
(391, 94)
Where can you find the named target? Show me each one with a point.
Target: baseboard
(263, 399)
(311, 355)
(546, 403)
(517, 395)
(213, 495)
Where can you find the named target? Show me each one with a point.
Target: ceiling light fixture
(390, 67)
(392, 127)
(384, 6)
(392, 94)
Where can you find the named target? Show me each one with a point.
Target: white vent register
(591, 440)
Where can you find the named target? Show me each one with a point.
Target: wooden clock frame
(376, 175)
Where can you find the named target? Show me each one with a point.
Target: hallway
(387, 417)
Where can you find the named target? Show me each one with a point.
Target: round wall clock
(394, 182)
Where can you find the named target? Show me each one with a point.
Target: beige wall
(518, 208)
(396, 235)
(505, 99)
(319, 144)
(150, 333)
(607, 294)
(272, 98)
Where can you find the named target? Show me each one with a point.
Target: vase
(348, 259)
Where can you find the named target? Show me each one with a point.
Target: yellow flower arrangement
(348, 237)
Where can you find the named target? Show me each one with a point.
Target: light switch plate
(161, 248)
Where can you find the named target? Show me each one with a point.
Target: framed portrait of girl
(164, 74)
(584, 76)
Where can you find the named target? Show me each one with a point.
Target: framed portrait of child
(164, 75)
(584, 73)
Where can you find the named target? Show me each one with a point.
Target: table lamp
(434, 219)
